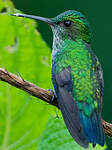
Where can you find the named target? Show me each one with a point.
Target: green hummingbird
(77, 76)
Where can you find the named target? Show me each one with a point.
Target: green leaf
(23, 52)
(57, 137)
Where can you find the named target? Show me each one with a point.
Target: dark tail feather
(93, 128)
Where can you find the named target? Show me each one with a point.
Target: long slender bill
(47, 20)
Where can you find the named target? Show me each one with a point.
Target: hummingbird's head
(68, 25)
(71, 25)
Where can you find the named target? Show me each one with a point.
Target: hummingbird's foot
(54, 95)
(54, 98)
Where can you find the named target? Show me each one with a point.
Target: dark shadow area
(4, 10)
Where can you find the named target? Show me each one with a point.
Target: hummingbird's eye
(82, 18)
(67, 23)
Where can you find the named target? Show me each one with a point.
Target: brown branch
(26, 86)
(107, 128)
(38, 92)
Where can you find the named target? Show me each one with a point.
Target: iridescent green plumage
(77, 77)
(84, 77)
(80, 27)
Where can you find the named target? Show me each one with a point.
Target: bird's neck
(66, 46)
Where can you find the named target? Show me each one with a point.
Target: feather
(70, 112)
(92, 128)
(84, 129)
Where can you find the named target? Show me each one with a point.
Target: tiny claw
(50, 90)
(54, 95)
(54, 98)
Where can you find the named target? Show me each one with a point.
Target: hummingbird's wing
(63, 88)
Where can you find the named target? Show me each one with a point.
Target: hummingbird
(77, 76)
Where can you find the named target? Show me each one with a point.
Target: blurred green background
(99, 15)
(25, 122)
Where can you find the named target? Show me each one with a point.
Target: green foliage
(57, 137)
(22, 50)
(22, 117)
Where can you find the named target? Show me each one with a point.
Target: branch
(26, 86)
(38, 92)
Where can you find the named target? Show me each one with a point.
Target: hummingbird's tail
(93, 128)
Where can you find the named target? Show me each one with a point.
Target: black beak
(47, 20)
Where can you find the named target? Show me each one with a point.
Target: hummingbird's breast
(78, 57)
